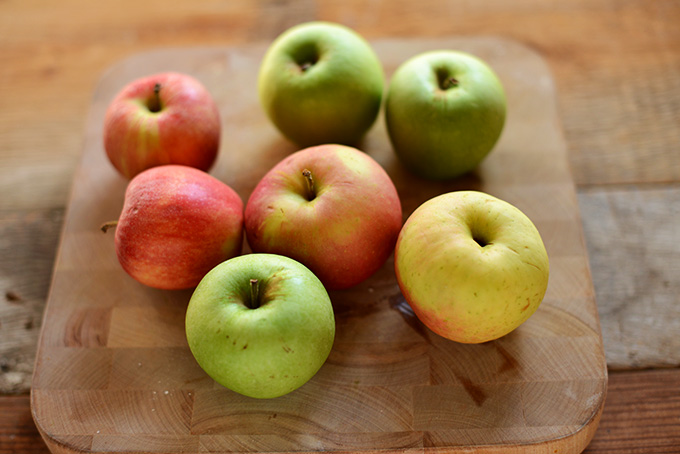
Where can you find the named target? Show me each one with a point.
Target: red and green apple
(177, 223)
(471, 266)
(332, 208)
(166, 118)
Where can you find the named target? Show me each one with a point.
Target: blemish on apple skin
(531, 264)
(245, 346)
(287, 349)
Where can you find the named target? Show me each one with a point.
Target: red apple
(167, 118)
(176, 225)
(332, 208)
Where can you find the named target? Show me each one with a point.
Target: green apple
(472, 267)
(321, 82)
(261, 325)
(444, 113)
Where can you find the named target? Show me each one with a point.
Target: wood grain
(628, 135)
(641, 415)
(640, 316)
(615, 63)
(27, 243)
(389, 383)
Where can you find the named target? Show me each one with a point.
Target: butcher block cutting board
(114, 372)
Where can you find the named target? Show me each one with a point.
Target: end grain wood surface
(617, 69)
(114, 371)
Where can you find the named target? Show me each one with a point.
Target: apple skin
(438, 128)
(346, 232)
(185, 131)
(270, 350)
(177, 223)
(460, 289)
(321, 82)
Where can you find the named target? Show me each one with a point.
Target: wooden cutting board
(114, 373)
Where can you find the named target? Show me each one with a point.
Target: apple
(444, 112)
(261, 325)
(332, 208)
(177, 223)
(167, 118)
(321, 82)
(471, 266)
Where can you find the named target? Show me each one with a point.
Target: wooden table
(617, 69)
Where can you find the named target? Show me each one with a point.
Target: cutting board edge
(580, 437)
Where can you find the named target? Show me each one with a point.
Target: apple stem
(254, 294)
(451, 82)
(107, 225)
(155, 102)
(311, 193)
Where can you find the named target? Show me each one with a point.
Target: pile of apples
(328, 216)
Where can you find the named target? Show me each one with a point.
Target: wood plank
(27, 240)
(17, 429)
(620, 124)
(633, 237)
(635, 281)
(539, 386)
(641, 415)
